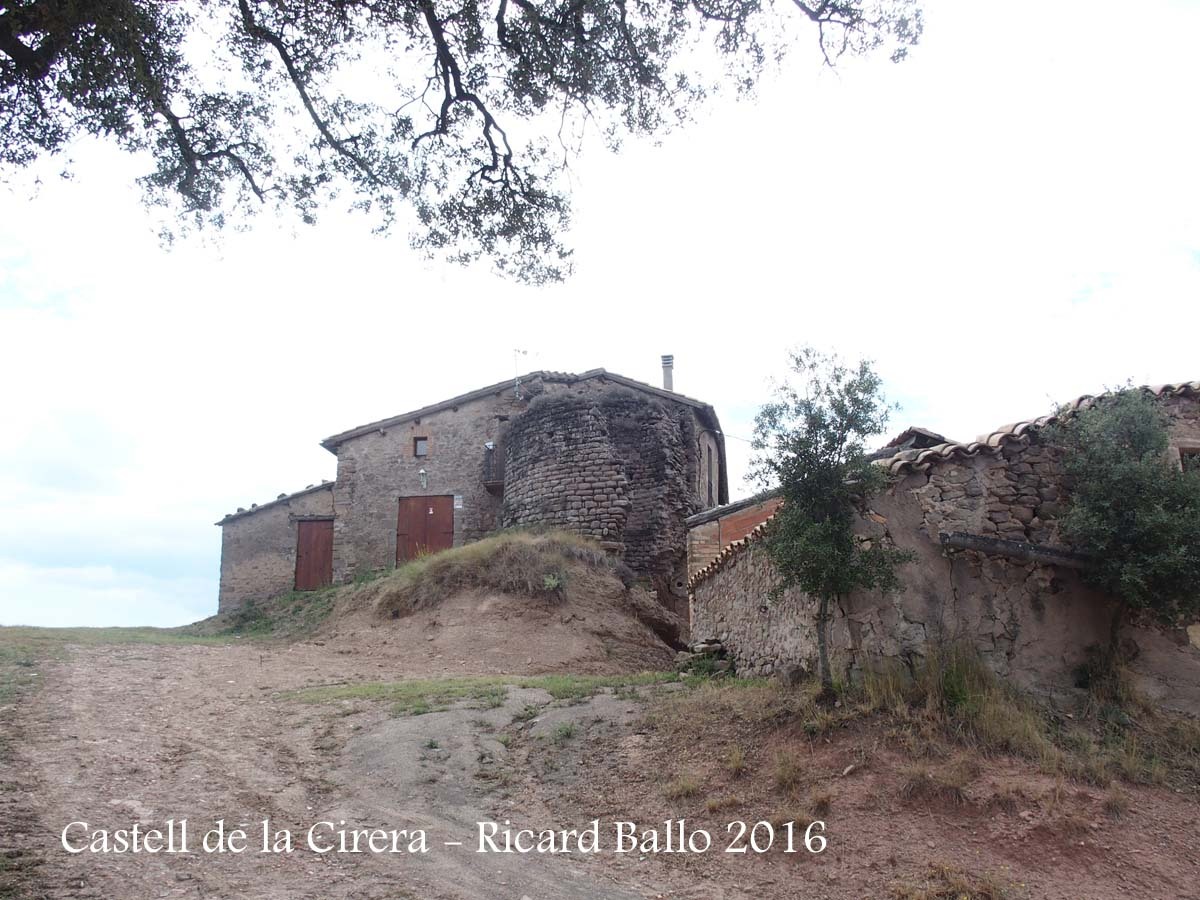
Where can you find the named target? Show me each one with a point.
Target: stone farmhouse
(990, 568)
(597, 453)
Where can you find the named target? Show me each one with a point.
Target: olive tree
(810, 444)
(463, 112)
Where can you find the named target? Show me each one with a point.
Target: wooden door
(424, 525)
(314, 554)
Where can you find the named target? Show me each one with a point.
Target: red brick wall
(736, 526)
(707, 540)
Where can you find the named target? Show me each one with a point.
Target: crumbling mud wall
(1032, 619)
(1028, 620)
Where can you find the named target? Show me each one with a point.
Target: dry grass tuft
(887, 686)
(1069, 825)
(735, 762)
(1116, 805)
(943, 787)
(789, 771)
(682, 787)
(820, 804)
(716, 804)
(949, 883)
(791, 814)
(1007, 801)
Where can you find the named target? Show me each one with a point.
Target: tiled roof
(908, 461)
(282, 498)
(331, 443)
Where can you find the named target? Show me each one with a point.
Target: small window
(420, 446)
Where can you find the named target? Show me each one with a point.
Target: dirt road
(137, 733)
(143, 733)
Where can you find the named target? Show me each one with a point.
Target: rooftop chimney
(668, 372)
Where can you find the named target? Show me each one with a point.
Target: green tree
(1131, 508)
(464, 111)
(810, 444)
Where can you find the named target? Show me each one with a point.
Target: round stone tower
(612, 466)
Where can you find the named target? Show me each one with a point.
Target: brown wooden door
(314, 554)
(424, 525)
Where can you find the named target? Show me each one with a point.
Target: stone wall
(377, 468)
(614, 465)
(258, 546)
(1032, 622)
(585, 454)
(562, 470)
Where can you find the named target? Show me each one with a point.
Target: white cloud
(98, 595)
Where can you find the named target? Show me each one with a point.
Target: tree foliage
(1131, 509)
(810, 443)
(464, 111)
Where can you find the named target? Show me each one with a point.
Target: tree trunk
(1114, 637)
(827, 695)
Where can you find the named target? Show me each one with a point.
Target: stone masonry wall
(614, 465)
(565, 474)
(376, 469)
(562, 471)
(1032, 622)
(258, 548)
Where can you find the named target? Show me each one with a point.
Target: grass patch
(951, 701)
(422, 695)
(752, 704)
(520, 563)
(953, 696)
(735, 762)
(950, 883)
(1116, 805)
(1007, 801)
(789, 771)
(791, 814)
(682, 787)
(943, 787)
(820, 804)
(291, 615)
(717, 804)
(563, 733)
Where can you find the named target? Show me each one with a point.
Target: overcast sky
(1003, 222)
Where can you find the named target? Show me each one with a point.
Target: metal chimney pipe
(668, 362)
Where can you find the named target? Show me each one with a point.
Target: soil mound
(511, 603)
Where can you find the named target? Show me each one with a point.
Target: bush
(1132, 511)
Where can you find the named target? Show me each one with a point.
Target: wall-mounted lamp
(424, 479)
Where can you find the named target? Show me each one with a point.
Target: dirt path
(119, 734)
(143, 733)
